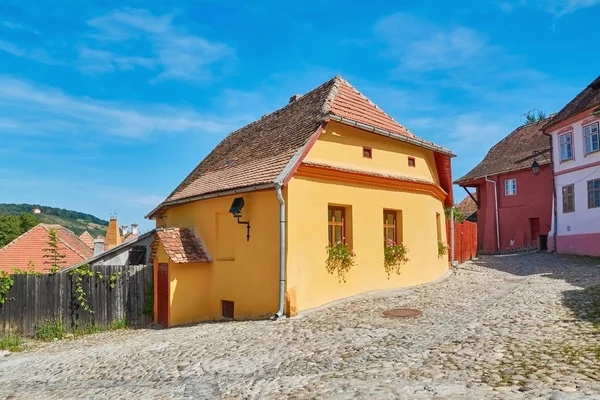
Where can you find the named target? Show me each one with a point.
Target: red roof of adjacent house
(129, 236)
(467, 206)
(29, 247)
(258, 153)
(182, 245)
(519, 145)
(87, 239)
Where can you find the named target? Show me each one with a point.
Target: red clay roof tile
(182, 245)
(30, 247)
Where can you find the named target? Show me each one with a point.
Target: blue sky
(106, 106)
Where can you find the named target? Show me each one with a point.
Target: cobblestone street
(523, 326)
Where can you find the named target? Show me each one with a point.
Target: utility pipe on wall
(281, 310)
(452, 236)
(496, 203)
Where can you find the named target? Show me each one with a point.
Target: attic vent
(295, 97)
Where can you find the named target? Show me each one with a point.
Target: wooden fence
(34, 299)
(465, 240)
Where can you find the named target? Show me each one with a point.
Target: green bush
(51, 329)
(11, 343)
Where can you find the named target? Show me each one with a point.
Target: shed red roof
(182, 245)
(258, 153)
(29, 247)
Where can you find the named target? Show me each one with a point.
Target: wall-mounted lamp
(236, 211)
(596, 112)
(535, 167)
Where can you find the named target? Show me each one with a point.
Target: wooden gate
(465, 240)
(163, 294)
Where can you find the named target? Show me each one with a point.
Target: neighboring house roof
(467, 206)
(87, 239)
(129, 236)
(520, 144)
(30, 247)
(265, 151)
(129, 243)
(588, 99)
(181, 245)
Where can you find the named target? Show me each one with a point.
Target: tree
(532, 118)
(458, 215)
(55, 257)
(13, 226)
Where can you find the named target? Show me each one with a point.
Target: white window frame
(566, 143)
(589, 136)
(510, 187)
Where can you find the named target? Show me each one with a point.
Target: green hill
(76, 221)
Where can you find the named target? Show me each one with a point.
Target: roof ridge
(19, 237)
(343, 81)
(64, 242)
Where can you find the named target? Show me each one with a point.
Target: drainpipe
(496, 201)
(555, 209)
(281, 310)
(452, 235)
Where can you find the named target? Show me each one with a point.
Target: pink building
(576, 166)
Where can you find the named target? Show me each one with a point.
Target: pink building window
(591, 138)
(566, 146)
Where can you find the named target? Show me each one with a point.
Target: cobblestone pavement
(503, 327)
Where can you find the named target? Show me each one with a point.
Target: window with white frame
(510, 187)
(566, 146)
(591, 138)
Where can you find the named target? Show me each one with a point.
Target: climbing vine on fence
(84, 271)
(6, 283)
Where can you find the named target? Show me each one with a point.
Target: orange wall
(342, 145)
(248, 274)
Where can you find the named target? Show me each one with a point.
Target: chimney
(134, 229)
(98, 246)
(124, 230)
(113, 236)
(295, 97)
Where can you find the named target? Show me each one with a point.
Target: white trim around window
(510, 187)
(565, 145)
(591, 138)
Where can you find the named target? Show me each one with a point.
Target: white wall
(582, 220)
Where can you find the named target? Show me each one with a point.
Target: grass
(11, 343)
(51, 329)
(55, 329)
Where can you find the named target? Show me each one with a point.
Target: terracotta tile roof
(521, 143)
(258, 153)
(29, 247)
(587, 99)
(182, 245)
(87, 239)
(128, 237)
(467, 206)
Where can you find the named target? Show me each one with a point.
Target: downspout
(281, 310)
(496, 203)
(555, 209)
(452, 236)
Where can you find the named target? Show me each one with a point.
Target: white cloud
(15, 26)
(38, 55)
(176, 53)
(558, 8)
(29, 109)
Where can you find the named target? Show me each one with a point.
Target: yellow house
(245, 234)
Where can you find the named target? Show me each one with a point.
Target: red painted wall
(533, 200)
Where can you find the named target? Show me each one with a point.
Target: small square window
(367, 152)
(510, 187)
(411, 161)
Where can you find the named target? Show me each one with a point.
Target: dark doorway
(534, 224)
(227, 309)
(163, 294)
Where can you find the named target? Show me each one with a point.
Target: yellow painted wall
(189, 292)
(251, 279)
(342, 145)
(308, 283)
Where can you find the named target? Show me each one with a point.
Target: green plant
(394, 257)
(121, 323)
(85, 271)
(6, 282)
(442, 249)
(53, 252)
(51, 329)
(340, 258)
(11, 343)
(458, 214)
(29, 271)
(148, 308)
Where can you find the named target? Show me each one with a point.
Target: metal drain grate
(403, 313)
